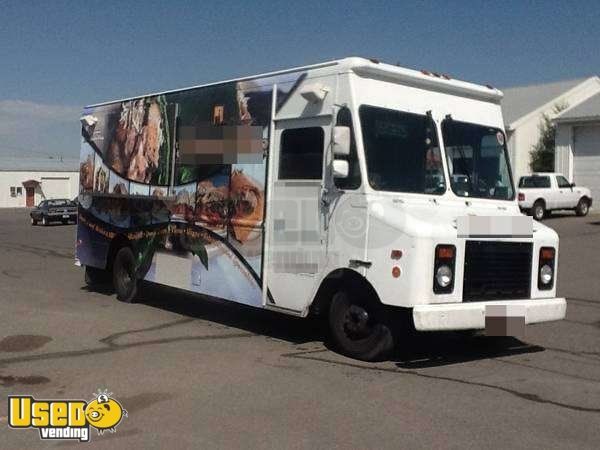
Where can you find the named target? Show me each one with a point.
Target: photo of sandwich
(212, 203)
(183, 207)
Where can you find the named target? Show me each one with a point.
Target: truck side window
(301, 154)
(562, 182)
(344, 118)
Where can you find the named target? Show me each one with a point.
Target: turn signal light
(521, 197)
(547, 253)
(445, 252)
(396, 272)
(396, 254)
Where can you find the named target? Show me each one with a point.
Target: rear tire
(124, 275)
(358, 328)
(583, 207)
(538, 211)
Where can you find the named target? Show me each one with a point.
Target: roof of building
(38, 164)
(586, 110)
(520, 101)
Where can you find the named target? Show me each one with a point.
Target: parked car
(57, 210)
(541, 193)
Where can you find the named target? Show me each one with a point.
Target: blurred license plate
(65, 216)
(505, 320)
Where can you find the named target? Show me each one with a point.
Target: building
(577, 153)
(24, 182)
(524, 106)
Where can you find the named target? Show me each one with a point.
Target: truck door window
(562, 182)
(477, 160)
(301, 154)
(402, 151)
(344, 118)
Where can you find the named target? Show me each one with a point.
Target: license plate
(65, 216)
(505, 320)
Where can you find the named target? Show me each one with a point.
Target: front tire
(358, 328)
(124, 275)
(583, 208)
(538, 211)
(33, 222)
(44, 221)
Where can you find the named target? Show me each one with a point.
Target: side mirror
(341, 141)
(341, 168)
(572, 185)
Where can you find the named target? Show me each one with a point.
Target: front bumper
(471, 315)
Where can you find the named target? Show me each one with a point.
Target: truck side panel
(181, 178)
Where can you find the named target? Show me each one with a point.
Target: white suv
(540, 193)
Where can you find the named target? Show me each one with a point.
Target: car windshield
(402, 151)
(58, 203)
(477, 160)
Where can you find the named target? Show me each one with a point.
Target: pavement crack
(523, 395)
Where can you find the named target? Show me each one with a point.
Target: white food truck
(354, 189)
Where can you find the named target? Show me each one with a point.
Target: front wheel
(44, 221)
(583, 207)
(358, 327)
(124, 275)
(95, 277)
(33, 221)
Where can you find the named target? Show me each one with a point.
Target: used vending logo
(66, 419)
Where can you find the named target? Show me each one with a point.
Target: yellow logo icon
(66, 419)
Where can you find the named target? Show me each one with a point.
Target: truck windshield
(402, 151)
(477, 161)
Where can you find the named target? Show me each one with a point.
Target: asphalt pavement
(194, 373)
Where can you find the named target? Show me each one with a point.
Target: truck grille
(497, 270)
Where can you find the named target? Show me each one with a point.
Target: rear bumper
(471, 315)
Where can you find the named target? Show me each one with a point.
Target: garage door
(56, 187)
(586, 159)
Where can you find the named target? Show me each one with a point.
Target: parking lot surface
(194, 373)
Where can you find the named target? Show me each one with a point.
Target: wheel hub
(356, 321)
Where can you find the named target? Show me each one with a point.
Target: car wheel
(358, 329)
(33, 221)
(583, 207)
(95, 276)
(124, 275)
(538, 211)
(44, 221)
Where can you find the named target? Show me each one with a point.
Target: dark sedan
(56, 210)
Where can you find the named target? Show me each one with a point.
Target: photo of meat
(141, 135)
(86, 168)
(158, 191)
(247, 203)
(182, 208)
(212, 202)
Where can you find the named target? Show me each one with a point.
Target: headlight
(546, 274)
(443, 276)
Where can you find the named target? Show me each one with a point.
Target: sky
(57, 56)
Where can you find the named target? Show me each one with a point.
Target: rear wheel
(358, 327)
(124, 275)
(583, 207)
(538, 211)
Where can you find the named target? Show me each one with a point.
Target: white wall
(53, 184)
(526, 130)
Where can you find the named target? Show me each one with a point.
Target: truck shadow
(417, 350)
(425, 350)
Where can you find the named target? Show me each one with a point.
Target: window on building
(301, 154)
(19, 191)
(13, 191)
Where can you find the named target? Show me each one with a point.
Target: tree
(542, 153)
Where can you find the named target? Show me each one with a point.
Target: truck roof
(365, 67)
